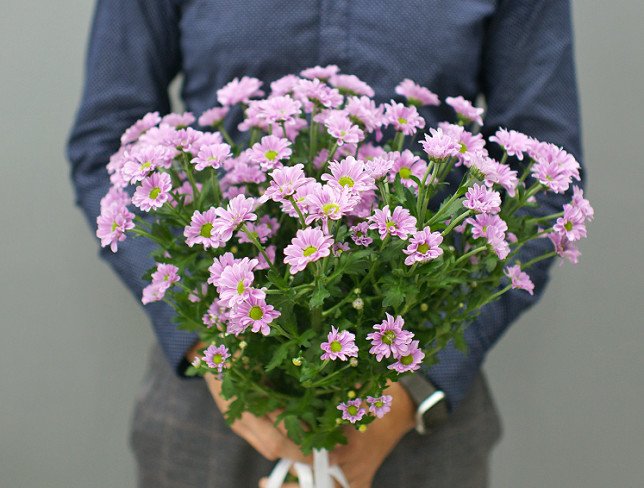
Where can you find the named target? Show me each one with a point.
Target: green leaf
(280, 354)
(294, 428)
(394, 295)
(318, 296)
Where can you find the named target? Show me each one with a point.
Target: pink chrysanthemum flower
(213, 116)
(320, 72)
(514, 143)
(578, 201)
(154, 292)
(520, 280)
(380, 166)
(349, 173)
(216, 316)
(400, 223)
(415, 94)
(285, 181)
(115, 197)
(465, 109)
(206, 139)
(270, 151)
(255, 313)
(153, 192)
(165, 274)
(284, 85)
(494, 173)
(239, 91)
(488, 226)
(404, 119)
(389, 338)
(141, 161)
(183, 139)
(180, 121)
(572, 224)
(365, 113)
(482, 200)
(380, 406)
(368, 152)
(218, 265)
(554, 167)
(439, 145)
(406, 165)
(340, 345)
(330, 203)
(196, 295)
(360, 234)
(307, 246)
(201, 230)
(239, 210)
(424, 245)
(184, 191)
(314, 93)
(139, 127)
(216, 356)
(564, 247)
(112, 224)
(235, 283)
(471, 144)
(352, 411)
(212, 156)
(351, 85)
(409, 359)
(278, 109)
(341, 129)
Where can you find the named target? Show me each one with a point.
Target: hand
(261, 433)
(361, 457)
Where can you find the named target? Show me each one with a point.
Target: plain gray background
(568, 377)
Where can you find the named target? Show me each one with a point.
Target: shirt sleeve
(133, 56)
(528, 80)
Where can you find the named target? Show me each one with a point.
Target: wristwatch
(431, 406)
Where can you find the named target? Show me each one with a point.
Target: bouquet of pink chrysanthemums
(308, 259)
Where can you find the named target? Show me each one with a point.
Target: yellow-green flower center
(379, 404)
(407, 360)
(352, 410)
(146, 165)
(329, 208)
(404, 173)
(309, 250)
(388, 337)
(256, 313)
(402, 120)
(346, 181)
(206, 230)
(154, 192)
(423, 248)
(336, 346)
(389, 224)
(270, 155)
(114, 226)
(240, 287)
(217, 359)
(463, 149)
(568, 226)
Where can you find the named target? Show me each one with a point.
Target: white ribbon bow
(320, 475)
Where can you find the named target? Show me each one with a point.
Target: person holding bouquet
(441, 423)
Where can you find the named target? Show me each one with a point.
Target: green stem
(469, 254)
(259, 246)
(545, 218)
(326, 378)
(216, 190)
(299, 212)
(226, 135)
(539, 258)
(455, 222)
(399, 140)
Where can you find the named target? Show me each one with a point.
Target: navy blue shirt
(518, 54)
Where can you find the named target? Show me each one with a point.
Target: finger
(267, 439)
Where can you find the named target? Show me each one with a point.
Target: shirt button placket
(334, 32)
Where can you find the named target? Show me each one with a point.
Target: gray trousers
(180, 440)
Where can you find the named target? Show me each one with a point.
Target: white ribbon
(320, 475)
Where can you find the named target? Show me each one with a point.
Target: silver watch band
(426, 397)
